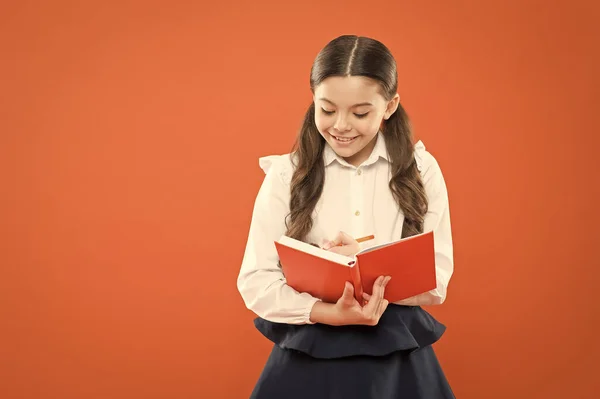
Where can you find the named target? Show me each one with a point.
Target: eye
(327, 112)
(360, 116)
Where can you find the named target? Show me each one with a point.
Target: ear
(392, 106)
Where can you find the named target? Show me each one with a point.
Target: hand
(347, 310)
(342, 244)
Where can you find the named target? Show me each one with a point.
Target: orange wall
(129, 138)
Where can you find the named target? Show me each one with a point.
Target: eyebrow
(332, 103)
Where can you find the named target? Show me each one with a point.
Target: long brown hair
(355, 56)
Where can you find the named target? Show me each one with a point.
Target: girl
(354, 172)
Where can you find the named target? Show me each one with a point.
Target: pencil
(362, 239)
(367, 238)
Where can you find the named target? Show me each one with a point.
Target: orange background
(129, 141)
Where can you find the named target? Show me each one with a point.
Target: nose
(341, 124)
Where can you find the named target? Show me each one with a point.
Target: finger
(366, 298)
(337, 240)
(345, 239)
(383, 304)
(326, 244)
(385, 283)
(379, 290)
(375, 298)
(348, 294)
(342, 239)
(379, 287)
(382, 307)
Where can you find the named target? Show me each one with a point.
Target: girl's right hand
(347, 310)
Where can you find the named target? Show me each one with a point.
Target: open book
(409, 261)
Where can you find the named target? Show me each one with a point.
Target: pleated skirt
(392, 360)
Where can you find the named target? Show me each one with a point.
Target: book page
(375, 247)
(316, 251)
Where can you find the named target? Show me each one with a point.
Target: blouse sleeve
(261, 282)
(437, 219)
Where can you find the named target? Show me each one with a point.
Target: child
(354, 172)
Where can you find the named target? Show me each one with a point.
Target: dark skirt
(391, 360)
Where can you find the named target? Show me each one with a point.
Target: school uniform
(393, 359)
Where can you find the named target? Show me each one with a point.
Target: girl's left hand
(342, 244)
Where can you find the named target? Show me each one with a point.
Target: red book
(409, 261)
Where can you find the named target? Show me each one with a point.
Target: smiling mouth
(344, 139)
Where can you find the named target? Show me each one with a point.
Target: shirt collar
(379, 151)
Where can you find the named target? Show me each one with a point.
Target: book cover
(409, 261)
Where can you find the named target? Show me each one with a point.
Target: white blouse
(356, 200)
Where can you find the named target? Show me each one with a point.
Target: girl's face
(348, 113)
